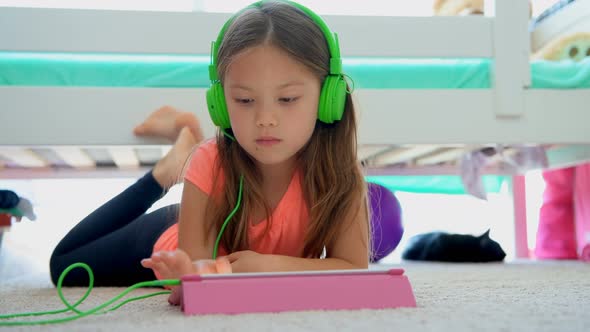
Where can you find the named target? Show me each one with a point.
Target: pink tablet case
(295, 291)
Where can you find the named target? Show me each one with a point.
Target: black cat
(445, 247)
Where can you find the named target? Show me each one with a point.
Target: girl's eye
(288, 99)
(244, 101)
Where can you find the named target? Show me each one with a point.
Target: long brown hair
(333, 184)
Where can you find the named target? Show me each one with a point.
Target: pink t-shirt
(289, 219)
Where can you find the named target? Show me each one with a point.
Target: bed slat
(400, 155)
(74, 156)
(442, 156)
(124, 157)
(23, 157)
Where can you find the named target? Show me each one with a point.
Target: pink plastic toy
(582, 210)
(295, 291)
(564, 220)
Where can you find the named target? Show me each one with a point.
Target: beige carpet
(520, 296)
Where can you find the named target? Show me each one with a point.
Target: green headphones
(332, 95)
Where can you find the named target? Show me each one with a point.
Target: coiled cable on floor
(96, 310)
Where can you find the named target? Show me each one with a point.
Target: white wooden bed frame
(415, 120)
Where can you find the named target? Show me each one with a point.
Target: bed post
(521, 245)
(511, 56)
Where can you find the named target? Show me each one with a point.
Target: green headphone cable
(228, 218)
(95, 310)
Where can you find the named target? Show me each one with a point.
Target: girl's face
(272, 102)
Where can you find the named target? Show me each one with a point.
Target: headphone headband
(331, 39)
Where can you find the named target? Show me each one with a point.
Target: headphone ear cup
(332, 99)
(217, 106)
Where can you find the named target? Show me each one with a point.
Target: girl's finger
(178, 262)
(165, 257)
(233, 256)
(147, 262)
(176, 296)
(163, 270)
(158, 256)
(205, 266)
(223, 265)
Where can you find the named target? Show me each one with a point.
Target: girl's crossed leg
(114, 239)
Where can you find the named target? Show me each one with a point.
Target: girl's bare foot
(167, 122)
(168, 170)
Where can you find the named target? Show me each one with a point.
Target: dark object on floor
(445, 247)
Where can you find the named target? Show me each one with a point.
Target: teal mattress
(180, 71)
(435, 184)
(175, 71)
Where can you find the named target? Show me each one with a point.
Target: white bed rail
(105, 116)
(82, 30)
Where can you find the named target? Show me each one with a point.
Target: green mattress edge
(175, 71)
(434, 184)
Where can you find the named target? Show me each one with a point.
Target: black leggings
(113, 239)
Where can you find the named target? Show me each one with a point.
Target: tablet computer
(296, 291)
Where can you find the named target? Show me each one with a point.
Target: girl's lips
(267, 141)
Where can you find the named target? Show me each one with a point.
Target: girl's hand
(175, 264)
(169, 264)
(249, 261)
(204, 266)
(208, 266)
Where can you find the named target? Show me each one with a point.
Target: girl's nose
(266, 117)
